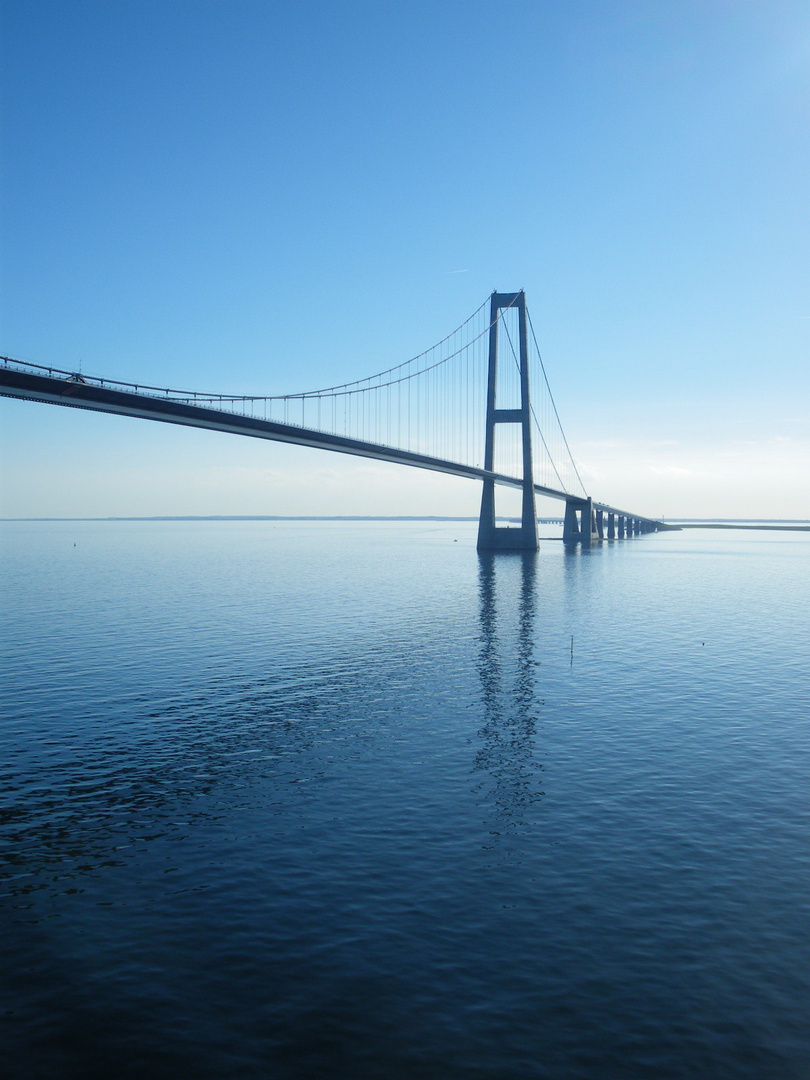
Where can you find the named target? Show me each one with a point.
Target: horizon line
(372, 517)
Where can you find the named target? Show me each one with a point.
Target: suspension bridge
(462, 407)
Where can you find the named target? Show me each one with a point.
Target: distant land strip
(261, 517)
(732, 525)
(790, 525)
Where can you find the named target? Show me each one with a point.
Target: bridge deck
(75, 392)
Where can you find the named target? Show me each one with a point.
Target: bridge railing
(225, 402)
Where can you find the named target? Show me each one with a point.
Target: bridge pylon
(492, 537)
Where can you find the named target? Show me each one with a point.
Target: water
(296, 800)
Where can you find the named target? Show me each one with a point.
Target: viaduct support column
(571, 533)
(588, 526)
(582, 524)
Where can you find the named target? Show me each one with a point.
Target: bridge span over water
(462, 407)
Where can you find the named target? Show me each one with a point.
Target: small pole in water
(572, 649)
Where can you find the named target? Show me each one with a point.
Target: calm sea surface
(295, 800)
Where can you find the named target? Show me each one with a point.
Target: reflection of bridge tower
(490, 536)
(510, 783)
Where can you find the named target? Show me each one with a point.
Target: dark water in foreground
(302, 800)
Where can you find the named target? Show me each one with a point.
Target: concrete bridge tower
(490, 536)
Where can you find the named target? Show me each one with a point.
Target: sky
(258, 197)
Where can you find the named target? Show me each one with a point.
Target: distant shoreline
(772, 524)
(731, 525)
(256, 517)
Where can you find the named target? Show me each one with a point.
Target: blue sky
(263, 197)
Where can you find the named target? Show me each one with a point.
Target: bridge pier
(570, 523)
(491, 537)
(586, 524)
(583, 524)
